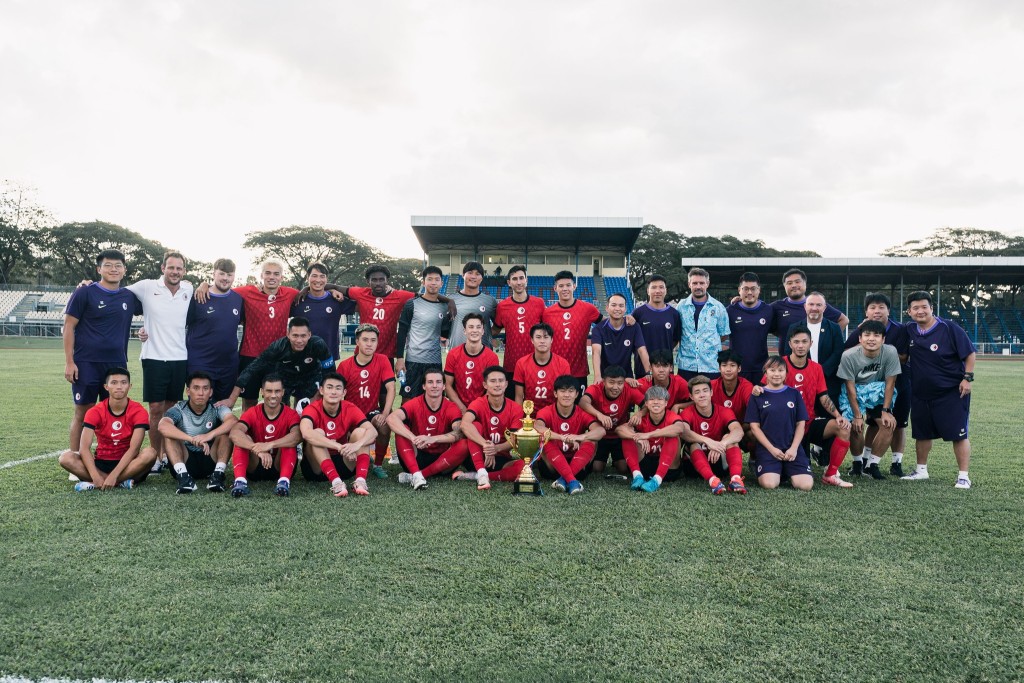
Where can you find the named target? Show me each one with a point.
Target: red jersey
(737, 400)
(114, 431)
(678, 389)
(263, 429)
(382, 311)
(468, 371)
(266, 317)
(646, 425)
(572, 332)
(618, 409)
(492, 423)
(808, 380)
(338, 426)
(517, 319)
(364, 384)
(538, 381)
(578, 422)
(422, 421)
(714, 426)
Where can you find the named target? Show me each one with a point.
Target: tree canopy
(960, 242)
(22, 220)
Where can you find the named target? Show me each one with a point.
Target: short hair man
(517, 314)
(338, 437)
(750, 321)
(662, 376)
(610, 402)
(322, 309)
(713, 438)
(733, 391)
(299, 358)
(370, 386)
(572, 439)
(380, 304)
(270, 432)
(97, 325)
(705, 328)
(613, 342)
(118, 425)
(428, 433)
(869, 371)
(570, 319)
(471, 299)
(535, 374)
(212, 336)
(659, 322)
(464, 366)
(941, 371)
(790, 309)
(651, 448)
(196, 437)
(484, 425)
(424, 322)
(827, 341)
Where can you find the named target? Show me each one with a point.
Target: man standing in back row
(470, 299)
(705, 327)
(517, 314)
(570, 320)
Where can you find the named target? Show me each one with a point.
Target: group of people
(676, 391)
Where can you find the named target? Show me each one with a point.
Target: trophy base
(527, 488)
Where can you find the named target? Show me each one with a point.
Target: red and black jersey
(809, 380)
(578, 422)
(619, 408)
(263, 429)
(714, 426)
(114, 431)
(646, 425)
(572, 332)
(266, 317)
(382, 311)
(337, 427)
(678, 389)
(517, 318)
(365, 384)
(468, 371)
(538, 381)
(422, 421)
(492, 423)
(737, 400)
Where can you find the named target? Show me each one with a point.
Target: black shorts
(414, 375)
(423, 459)
(649, 467)
(262, 473)
(510, 390)
(500, 461)
(344, 471)
(105, 466)
(163, 380)
(544, 471)
(609, 447)
(815, 433)
(293, 394)
(250, 391)
(199, 465)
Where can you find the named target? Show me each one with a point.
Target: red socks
(240, 462)
(510, 473)
(449, 460)
(553, 454)
(836, 455)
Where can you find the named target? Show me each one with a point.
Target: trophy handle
(511, 438)
(544, 438)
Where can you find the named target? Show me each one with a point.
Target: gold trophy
(526, 443)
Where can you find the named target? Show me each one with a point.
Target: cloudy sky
(843, 127)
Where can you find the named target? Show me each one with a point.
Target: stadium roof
(952, 270)
(527, 232)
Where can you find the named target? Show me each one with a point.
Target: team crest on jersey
(668, 326)
(790, 404)
(115, 425)
(483, 309)
(625, 342)
(440, 316)
(328, 309)
(762, 321)
(124, 306)
(565, 426)
(542, 374)
(614, 408)
(308, 360)
(364, 373)
(567, 316)
(704, 426)
(521, 310)
(209, 424)
(494, 420)
(379, 300)
(432, 419)
(727, 403)
(470, 365)
(934, 347)
(330, 424)
(234, 311)
(799, 377)
(271, 429)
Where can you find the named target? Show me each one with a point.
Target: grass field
(891, 580)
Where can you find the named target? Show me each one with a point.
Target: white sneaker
(459, 475)
(916, 475)
(419, 482)
(404, 478)
(72, 477)
(483, 482)
(963, 483)
(393, 460)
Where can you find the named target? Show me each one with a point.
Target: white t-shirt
(163, 316)
(815, 329)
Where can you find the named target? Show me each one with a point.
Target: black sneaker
(896, 469)
(857, 469)
(873, 471)
(185, 483)
(216, 482)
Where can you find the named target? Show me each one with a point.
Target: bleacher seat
(9, 301)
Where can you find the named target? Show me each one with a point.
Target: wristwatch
(887, 410)
(969, 376)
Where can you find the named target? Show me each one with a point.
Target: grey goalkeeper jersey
(420, 328)
(481, 303)
(193, 424)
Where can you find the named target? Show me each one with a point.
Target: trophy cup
(526, 443)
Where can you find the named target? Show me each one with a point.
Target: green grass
(888, 581)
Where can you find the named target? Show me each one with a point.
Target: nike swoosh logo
(102, 306)
(646, 322)
(117, 433)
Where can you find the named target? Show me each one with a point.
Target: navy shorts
(766, 464)
(901, 407)
(162, 380)
(946, 417)
(89, 387)
(250, 391)
(344, 471)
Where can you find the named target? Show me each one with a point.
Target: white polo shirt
(815, 329)
(164, 316)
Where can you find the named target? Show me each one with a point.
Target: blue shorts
(946, 417)
(766, 464)
(89, 387)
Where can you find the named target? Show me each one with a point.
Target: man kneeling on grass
(118, 424)
(573, 439)
(713, 439)
(652, 448)
(269, 431)
(338, 438)
(777, 418)
(195, 435)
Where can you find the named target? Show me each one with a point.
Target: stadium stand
(620, 285)
(10, 301)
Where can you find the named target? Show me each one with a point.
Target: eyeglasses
(749, 289)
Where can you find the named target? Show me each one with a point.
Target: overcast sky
(842, 127)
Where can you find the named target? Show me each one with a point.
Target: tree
(69, 251)
(297, 246)
(960, 242)
(21, 221)
(406, 273)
